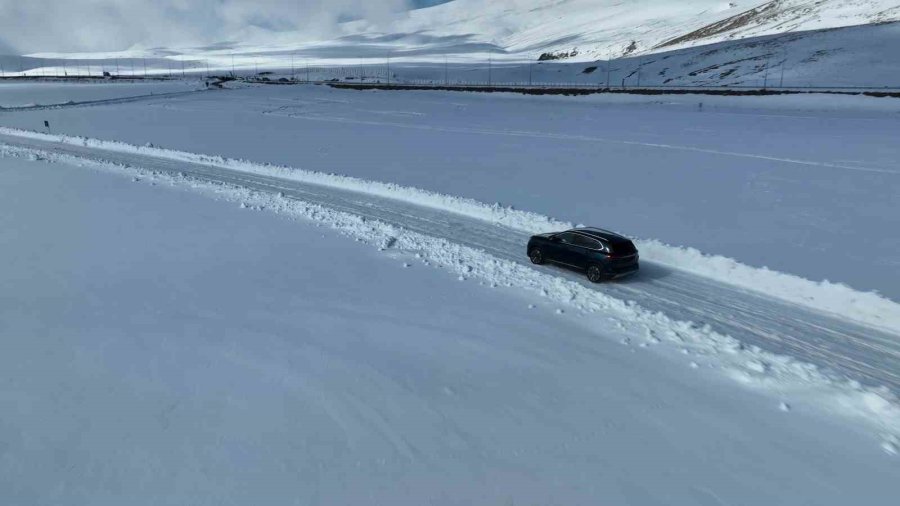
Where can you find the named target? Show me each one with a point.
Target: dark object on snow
(599, 253)
(589, 70)
(106, 74)
(558, 55)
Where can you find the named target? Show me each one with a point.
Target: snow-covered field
(165, 347)
(789, 183)
(41, 94)
(171, 347)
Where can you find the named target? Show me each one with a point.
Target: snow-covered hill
(592, 29)
(824, 43)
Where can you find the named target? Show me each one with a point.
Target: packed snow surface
(804, 185)
(165, 347)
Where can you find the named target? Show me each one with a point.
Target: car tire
(536, 256)
(594, 273)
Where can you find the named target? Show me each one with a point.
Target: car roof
(599, 233)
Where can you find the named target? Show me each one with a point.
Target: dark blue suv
(599, 253)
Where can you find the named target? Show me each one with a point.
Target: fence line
(460, 76)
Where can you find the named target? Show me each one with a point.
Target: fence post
(783, 62)
(490, 69)
(640, 66)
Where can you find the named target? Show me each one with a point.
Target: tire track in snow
(586, 138)
(100, 102)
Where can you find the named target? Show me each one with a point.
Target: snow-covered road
(841, 348)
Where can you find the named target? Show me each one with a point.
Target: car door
(584, 249)
(564, 250)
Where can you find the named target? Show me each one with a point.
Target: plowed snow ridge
(867, 308)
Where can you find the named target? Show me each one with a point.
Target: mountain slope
(597, 28)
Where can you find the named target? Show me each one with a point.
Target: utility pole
(783, 61)
(530, 73)
(389, 69)
(307, 72)
(182, 69)
(608, 65)
(490, 69)
(292, 66)
(640, 66)
(144, 59)
(117, 67)
(232, 65)
(446, 72)
(766, 76)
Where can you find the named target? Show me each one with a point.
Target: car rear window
(624, 248)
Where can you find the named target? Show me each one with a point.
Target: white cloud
(100, 25)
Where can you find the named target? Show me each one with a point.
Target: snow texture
(865, 307)
(193, 356)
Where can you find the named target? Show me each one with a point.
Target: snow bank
(749, 365)
(868, 308)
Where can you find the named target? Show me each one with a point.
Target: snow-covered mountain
(828, 43)
(592, 29)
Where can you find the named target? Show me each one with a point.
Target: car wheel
(536, 256)
(595, 274)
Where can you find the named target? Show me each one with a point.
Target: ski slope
(168, 347)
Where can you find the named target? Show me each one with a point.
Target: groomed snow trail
(692, 305)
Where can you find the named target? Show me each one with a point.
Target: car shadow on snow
(648, 272)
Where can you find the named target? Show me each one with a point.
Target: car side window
(567, 238)
(586, 242)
